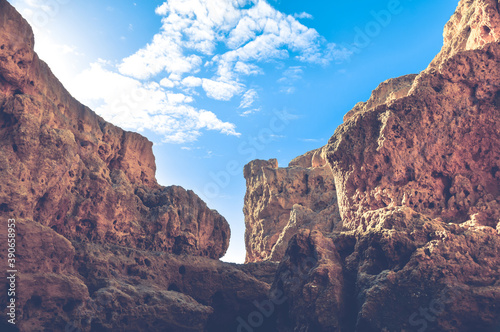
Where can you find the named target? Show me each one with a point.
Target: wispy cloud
(248, 98)
(303, 15)
(313, 140)
(250, 112)
(290, 76)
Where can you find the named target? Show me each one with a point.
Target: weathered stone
(66, 168)
(280, 201)
(416, 169)
(392, 89)
(311, 278)
(418, 189)
(65, 285)
(100, 245)
(400, 271)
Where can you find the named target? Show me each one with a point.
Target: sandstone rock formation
(415, 170)
(392, 89)
(401, 272)
(68, 169)
(435, 150)
(280, 201)
(417, 177)
(100, 245)
(80, 285)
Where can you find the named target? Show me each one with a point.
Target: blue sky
(217, 83)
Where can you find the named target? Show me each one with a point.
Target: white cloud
(192, 82)
(221, 90)
(252, 30)
(291, 74)
(288, 90)
(248, 98)
(247, 69)
(312, 140)
(212, 44)
(137, 105)
(164, 53)
(303, 15)
(178, 98)
(167, 83)
(250, 112)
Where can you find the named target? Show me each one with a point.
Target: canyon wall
(392, 226)
(100, 245)
(417, 180)
(68, 169)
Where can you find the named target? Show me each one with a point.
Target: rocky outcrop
(435, 150)
(311, 278)
(68, 169)
(402, 272)
(473, 25)
(392, 89)
(415, 170)
(79, 285)
(417, 178)
(100, 245)
(280, 201)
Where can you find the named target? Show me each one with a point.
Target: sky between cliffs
(217, 83)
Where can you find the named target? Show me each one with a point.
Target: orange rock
(68, 169)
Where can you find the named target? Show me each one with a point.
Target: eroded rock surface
(418, 185)
(68, 169)
(401, 271)
(100, 245)
(68, 285)
(280, 201)
(416, 172)
(436, 150)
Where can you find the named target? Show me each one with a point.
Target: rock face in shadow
(100, 245)
(280, 201)
(79, 285)
(402, 271)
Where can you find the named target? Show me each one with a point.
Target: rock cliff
(100, 245)
(68, 169)
(392, 226)
(87, 286)
(416, 173)
(279, 201)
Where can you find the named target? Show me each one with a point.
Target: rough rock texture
(392, 89)
(402, 271)
(416, 171)
(100, 245)
(310, 276)
(418, 185)
(68, 169)
(436, 150)
(67, 285)
(473, 25)
(280, 201)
